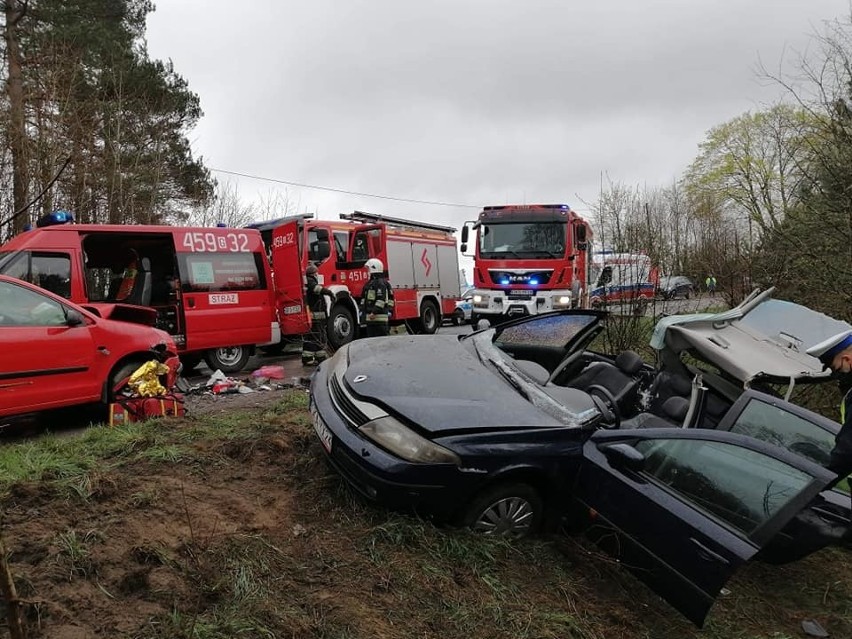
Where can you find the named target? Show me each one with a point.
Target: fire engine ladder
(370, 218)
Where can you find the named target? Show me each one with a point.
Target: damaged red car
(54, 353)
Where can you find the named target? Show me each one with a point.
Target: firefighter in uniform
(836, 353)
(313, 344)
(377, 300)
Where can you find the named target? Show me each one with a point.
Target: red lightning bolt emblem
(424, 260)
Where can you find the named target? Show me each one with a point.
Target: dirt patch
(251, 535)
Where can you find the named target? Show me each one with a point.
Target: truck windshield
(529, 240)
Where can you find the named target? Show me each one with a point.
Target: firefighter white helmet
(374, 265)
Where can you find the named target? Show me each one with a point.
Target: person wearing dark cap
(313, 344)
(836, 353)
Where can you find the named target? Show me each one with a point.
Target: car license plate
(321, 429)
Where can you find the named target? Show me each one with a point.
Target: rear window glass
(210, 272)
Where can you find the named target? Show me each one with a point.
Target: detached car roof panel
(762, 337)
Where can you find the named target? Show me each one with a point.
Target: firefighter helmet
(374, 265)
(312, 268)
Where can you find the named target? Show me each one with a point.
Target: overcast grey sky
(470, 101)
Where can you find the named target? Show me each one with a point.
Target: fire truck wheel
(430, 317)
(228, 360)
(341, 326)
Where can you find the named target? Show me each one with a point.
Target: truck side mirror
(580, 233)
(464, 234)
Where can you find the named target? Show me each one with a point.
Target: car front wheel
(506, 510)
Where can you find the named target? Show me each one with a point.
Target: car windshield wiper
(512, 381)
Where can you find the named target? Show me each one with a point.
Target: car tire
(430, 317)
(230, 359)
(118, 375)
(506, 510)
(341, 326)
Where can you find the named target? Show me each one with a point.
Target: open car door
(684, 508)
(294, 316)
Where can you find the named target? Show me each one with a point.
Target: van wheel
(229, 359)
(430, 317)
(341, 326)
(505, 510)
(118, 376)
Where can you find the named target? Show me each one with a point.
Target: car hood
(437, 383)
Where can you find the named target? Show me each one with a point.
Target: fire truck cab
(421, 264)
(209, 288)
(529, 259)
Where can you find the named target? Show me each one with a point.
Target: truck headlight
(399, 439)
(563, 299)
(477, 299)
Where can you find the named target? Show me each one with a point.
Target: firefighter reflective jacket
(377, 300)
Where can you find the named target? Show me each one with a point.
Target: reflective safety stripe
(380, 303)
(843, 407)
(318, 314)
(317, 289)
(371, 294)
(378, 318)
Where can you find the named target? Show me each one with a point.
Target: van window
(50, 271)
(212, 272)
(319, 246)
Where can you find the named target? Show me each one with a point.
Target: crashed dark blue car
(697, 464)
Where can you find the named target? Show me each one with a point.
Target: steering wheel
(565, 363)
(610, 400)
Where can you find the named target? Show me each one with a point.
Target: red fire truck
(421, 263)
(529, 259)
(210, 288)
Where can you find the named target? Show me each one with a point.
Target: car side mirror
(624, 456)
(73, 317)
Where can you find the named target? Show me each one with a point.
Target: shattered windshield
(492, 356)
(792, 324)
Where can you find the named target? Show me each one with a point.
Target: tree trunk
(14, 10)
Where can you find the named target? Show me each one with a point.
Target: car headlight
(397, 438)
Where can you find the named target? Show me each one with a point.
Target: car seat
(619, 378)
(140, 294)
(673, 412)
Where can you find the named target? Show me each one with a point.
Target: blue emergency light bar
(57, 217)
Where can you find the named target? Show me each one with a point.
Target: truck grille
(344, 403)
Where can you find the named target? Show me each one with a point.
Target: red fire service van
(210, 288)
(529, 259)
(421, 263)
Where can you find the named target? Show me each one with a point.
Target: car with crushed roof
(54, 353)
(685, 470)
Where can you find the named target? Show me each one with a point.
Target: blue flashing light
(221, 225)
(504, 282)
(57, 217)
(533, 282)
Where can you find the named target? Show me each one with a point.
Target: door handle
(190, 302)
(103, 350)
(708, 555)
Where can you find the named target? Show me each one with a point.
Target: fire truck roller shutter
(448, 268)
